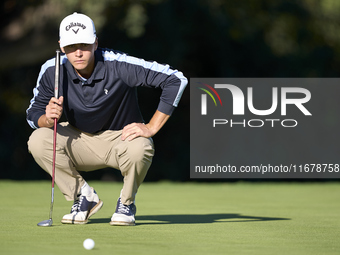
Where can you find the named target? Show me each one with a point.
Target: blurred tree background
(202, 38)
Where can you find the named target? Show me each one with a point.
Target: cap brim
(64, 43)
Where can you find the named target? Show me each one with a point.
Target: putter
(49, 222)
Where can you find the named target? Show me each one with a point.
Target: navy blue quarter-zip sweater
(108, 99)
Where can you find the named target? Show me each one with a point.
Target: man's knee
(140, 149)
(39, 139)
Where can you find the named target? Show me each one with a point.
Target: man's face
(81, 56)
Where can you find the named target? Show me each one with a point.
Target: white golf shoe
(83, 208)
(124, 215)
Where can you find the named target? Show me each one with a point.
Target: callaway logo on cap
(77, 28)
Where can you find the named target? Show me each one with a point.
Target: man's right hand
(54, 110)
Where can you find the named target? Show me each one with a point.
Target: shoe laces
(123, 208)
(77, 203)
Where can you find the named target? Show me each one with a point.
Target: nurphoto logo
(264, 128)
(301, 97)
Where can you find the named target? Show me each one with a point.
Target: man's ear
(61, 48)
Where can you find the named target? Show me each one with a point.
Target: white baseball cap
(76, 28)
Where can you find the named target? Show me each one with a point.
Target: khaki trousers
(79, 151)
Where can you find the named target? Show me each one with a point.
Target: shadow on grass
(193, 219)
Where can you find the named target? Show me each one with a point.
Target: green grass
(179, 218)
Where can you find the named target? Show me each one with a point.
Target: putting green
(179, 218)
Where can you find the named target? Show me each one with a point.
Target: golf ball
(88, 244)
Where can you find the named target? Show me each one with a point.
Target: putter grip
(57, 71)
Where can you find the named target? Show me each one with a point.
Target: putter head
(45, 223)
